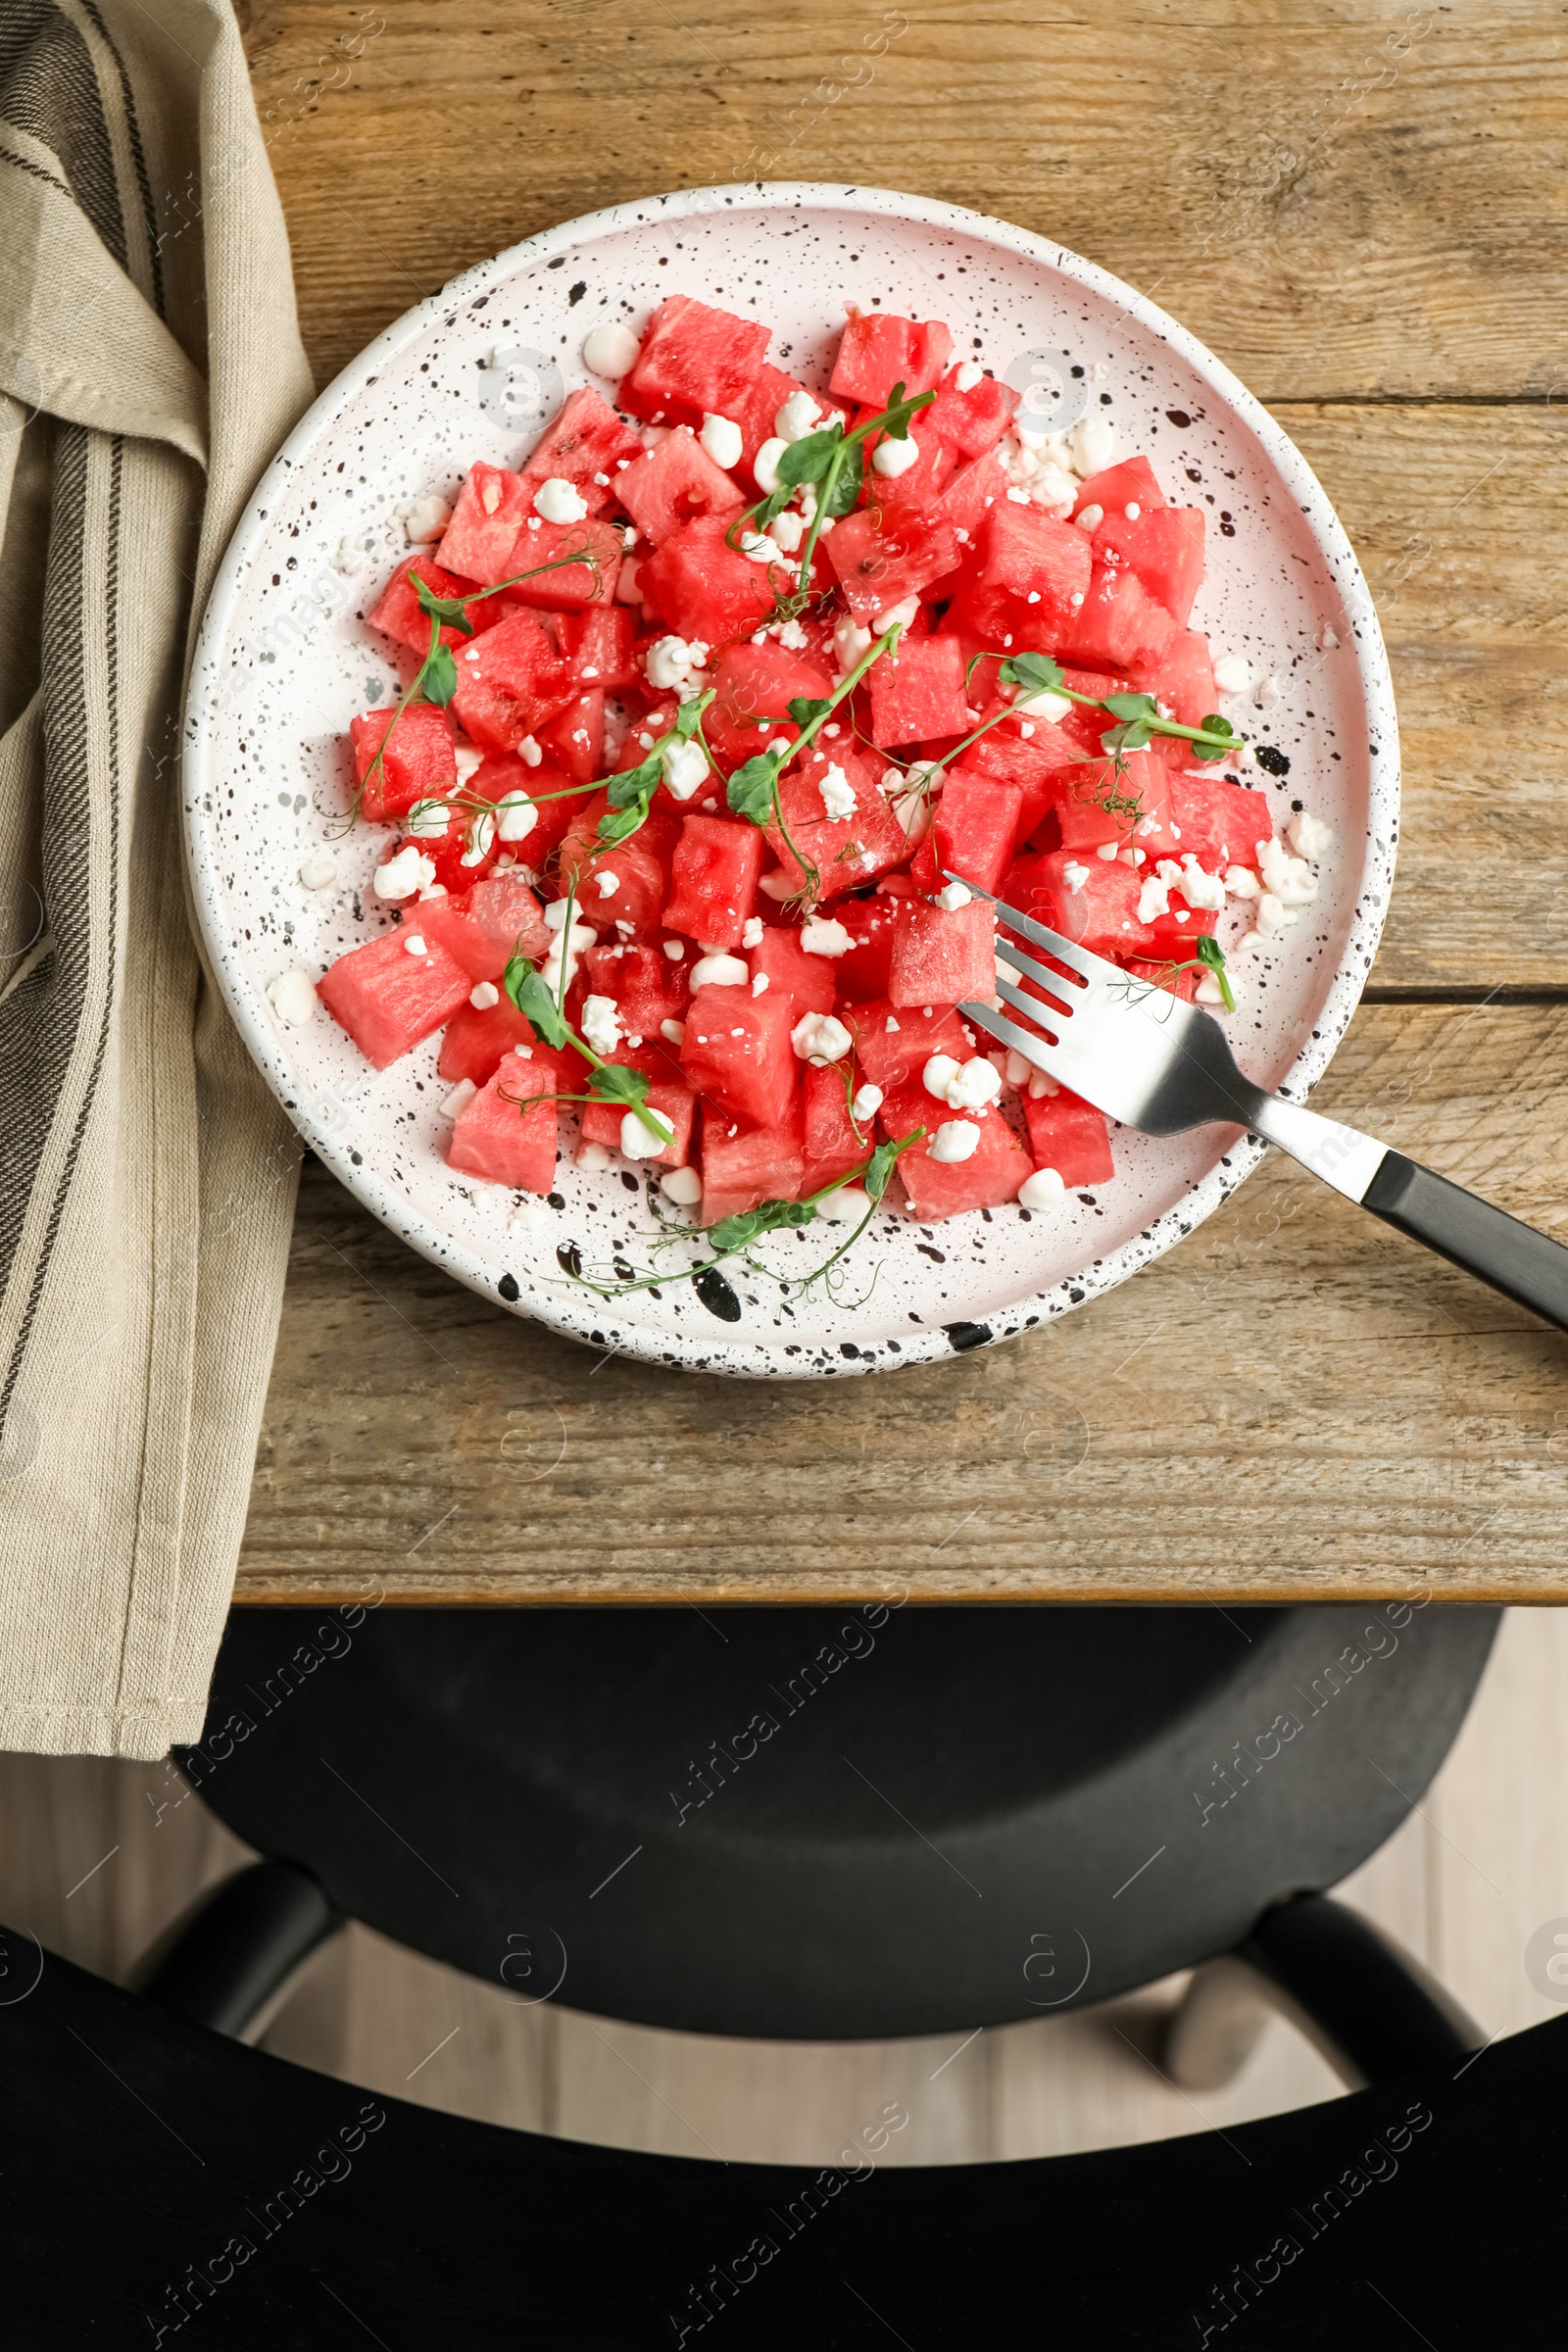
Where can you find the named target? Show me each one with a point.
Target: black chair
(166, 2185)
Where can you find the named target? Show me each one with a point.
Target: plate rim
(762, 1359)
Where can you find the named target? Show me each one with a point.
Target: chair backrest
(160, 2178)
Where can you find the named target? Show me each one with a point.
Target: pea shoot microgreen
(736, 1236)
(831, 463)
(1207, 956)
(1138, 715)
(545, 1011)
(753, 790)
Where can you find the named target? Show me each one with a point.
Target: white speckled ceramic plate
(284, 661)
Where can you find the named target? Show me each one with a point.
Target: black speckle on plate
(568, 1258)
(1269, 756)
(716, 1296)
(965, 1336)
(507, 1286)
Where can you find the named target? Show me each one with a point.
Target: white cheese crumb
(460, 1097)
(967, 374)
(847, 1206)
(1105, 849)
(404, 874)
(639, 1141)
(899, 615)
(483, 995)
(824, 935)
(560, 501)
(1308, 836)
(1328, 637)
(954, 1139)
(593, 1156)
(1272, 916)
(427, 518)
(675, 662)
(838, 793)
(292, 997)
(867, 1103)
(529, 752)
(1232, 673)
(1092, 444)
(515, 816)
(1075, 876)
(799, 415)
(787, 530)
(318, 873)
(760, 984)
(609, 350)
(1290, 879)
(1153, 900)
(1089, 519)
(1242, 882)
(758, 548)
(891, 457)
(1043, 1190)
(674, 949)
(413, 944)
(818, 1037)
(954, 896)
(1268, 693)
(752, 934)
(685, 769)
(765, 466)
(530, 1216)
(850, 643)
(683, 1186)
(673, 1033)
(721, 437)
(1198, 888)
(720, 971)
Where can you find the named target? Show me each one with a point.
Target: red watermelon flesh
(397, 612)
(972, 421)
(497, 1137)
(1184, 684)
(969, 495)
(1069, 1134)
(845, 852)
(973, 833)
(1092, 900)
(638, 898)
(715, 873)
(647, 987)
(474, 1042)
(754, 682)
(478, 541)
(387, 999)
(750, 1165)
(1040, 563)
(599, 643)
(694, 360)
(673, 483)
(862, 973)
(574, 739)
(1119, 623)
(510, 681)
(584, 440)
(937, 1189)
(878, 351)
(502, 773)
(1164, 547)
(701, 588)
(483, 929)
(918, 692)
(805, 983)
(1220, 823)
(942, 957)
(880, 560)
(738, 1053)
(1131, 482)
(556, 585)
(421, 763)
(893, 1041)
(832, 1146)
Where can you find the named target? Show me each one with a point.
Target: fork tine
(1044, 1015)
(1082, 959)
(1026, 1042)
(1031, 971)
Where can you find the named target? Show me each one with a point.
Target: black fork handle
(1514, 1259)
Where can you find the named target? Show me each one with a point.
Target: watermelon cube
(1069, 1134)
(1183, 682)
(420, 764)
(501, 774)
(461, 853)
(1164, 547)
(832, 1146)
(389, 998)
(941, 1187)
(694, 360)
(564, 587)
(738, 1053)
(673, 483)
(583, 446)
(473, 1041)
(701, 588)
(599, 643)
(1119, 625)
(1044, 764)
(969, 495)
(1220, 823)
(844, 852)
(743, 1166)
(478, 541)
(920, 485)
(574, 739)
(862, 973)
(1091, 900)
(973, 832)
(1131, 482)
(894, 1041)
(397, 612)
(504, 1134)
(974, 420)
(487, 924)
(882, 557)
(1041, 563)
(943, 957)
(648, 989)
(918, 692)
(678, 1104)
(757, 683)
(879, 351)
(623, 888)
(510, 681)
(713, 878)
(805, 983)
(1132, 809)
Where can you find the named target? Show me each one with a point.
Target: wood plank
(1342, 201)
(1294, 1405)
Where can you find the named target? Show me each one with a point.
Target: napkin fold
(150, 364)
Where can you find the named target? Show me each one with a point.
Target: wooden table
(1362, 216)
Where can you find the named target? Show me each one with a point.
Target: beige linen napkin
(149, 364)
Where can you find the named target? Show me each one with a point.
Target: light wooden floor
(96, 1857)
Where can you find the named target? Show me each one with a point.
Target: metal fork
(1152, 1062)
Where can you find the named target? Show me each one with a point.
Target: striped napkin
(149, 364)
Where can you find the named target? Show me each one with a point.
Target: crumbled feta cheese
(751, 933)
(559, 967)
(954, 896)
(413, 944)
(1232, 673)
(838, 793)
(292, 997)
(850, 643)
(460, 1097)
(469, 762)
(824, 935)
(490, 496)
(799, 415)
(962, 1086)
(789, 633)
(1075, 876)
(1041, 1084)
(609, 350)
(481, 839)
(1107, 850)
(787, 530)
(1132, 510)
(967, 374)
(483, 995)
(1093, 443)
(1089, 519)
(1272, 916)
(1209, 992)
(720, 971)
(1198, 888)
(640, 1141)
(897, 616)
(953, 1140)
(560, 501)
(601, 1023)
(593, 1157)
(777, 885)
(1019, 497)
(758, 548)
(628, 583)
(318, 873)
(819, 1038)
(530, 1216)
(529, 752)
(672, 662)
(685, 766)
(889, 1025)
(892, 457)
(1242, 882)
(683, 1186)
(404, 874)
(866, 1104)
(1043, 1190)
(1045, 704)
(1290, 879)
(721, 437)
(1017, 1067)
(1268, 693)
(515, 816)
(673, 1033)
(1153, 900)
(1308, 836)
(765, 466)
(609, 882)
(674, 949)
(1328, 637)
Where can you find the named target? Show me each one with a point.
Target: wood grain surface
(1360, 214)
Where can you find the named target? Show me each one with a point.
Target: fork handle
(1516, 1259)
